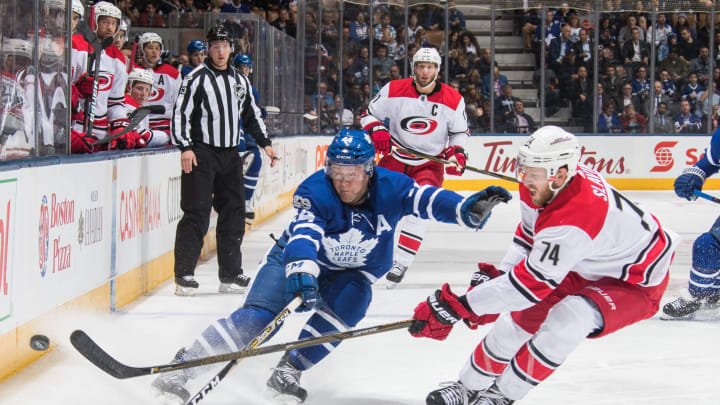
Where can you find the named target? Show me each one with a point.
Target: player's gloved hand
(126, 141)
(301, 280)
(80, 142)
(435, 317)
(457, 156)
(381, 139)
(475, 210)
(85, 85)
(691, 179)
(486, 272)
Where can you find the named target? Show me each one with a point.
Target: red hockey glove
(381, 139)
(85, 85)
(127, 141)
(486, 272)
(435, 317)
(81, 142)
(455, 155)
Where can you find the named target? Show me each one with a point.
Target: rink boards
(94, 233)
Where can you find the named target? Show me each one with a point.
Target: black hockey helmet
(218, 33)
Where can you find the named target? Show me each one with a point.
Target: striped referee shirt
(212, 108)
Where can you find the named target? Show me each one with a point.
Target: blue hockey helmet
(351, 147)
(242, 59)
(195, 45)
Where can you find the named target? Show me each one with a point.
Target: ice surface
(654, 362)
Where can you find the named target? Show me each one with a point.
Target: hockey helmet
(149, 37)
(349, 148)
(17, 47)
(243, 59)
(124, 27)
(218, 33)
(429, 55)
(140, 75)
(550, 148)
(103, 8)
(55, 4)
(194, 46)
(51, 57)
(78, 7)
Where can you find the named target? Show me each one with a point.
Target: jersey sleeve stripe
(539, 276)
(527, 293)
(522, 243)
(308, 225)
(526, 283)
(299, 237)
(418, 196)
(430, 204)
(640, 271)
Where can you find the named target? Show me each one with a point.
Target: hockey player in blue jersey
(339, 243)
(252, 160)
(704, 283)
(196, 55)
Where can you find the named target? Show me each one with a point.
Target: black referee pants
(217, 181)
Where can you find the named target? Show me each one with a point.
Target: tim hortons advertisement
(8, 226)
(612, 156)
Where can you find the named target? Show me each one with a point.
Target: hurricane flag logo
(418, 125)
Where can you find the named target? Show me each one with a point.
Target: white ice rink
(654, 362)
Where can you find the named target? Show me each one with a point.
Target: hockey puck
(39, 343)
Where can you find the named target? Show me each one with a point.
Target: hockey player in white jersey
(585, 262)
(422, 114)
(704, 283)
(110, 116)
(166, 86)
(17, 57)
(140, 87)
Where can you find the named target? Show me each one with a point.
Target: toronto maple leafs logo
(349, 249)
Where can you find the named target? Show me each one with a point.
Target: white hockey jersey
(165, 91)
(590, 228)
(111, 84)
(426, 123)
(154, 137)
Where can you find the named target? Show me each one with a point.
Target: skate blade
(666, 317)
(225, 289)
(390, 285)
(185, 291)
(284, 399)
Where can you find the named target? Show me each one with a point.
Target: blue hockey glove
(475, 210)
(301, 280)
(691, 179)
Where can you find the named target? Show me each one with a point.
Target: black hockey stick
(135, 118)
(93, 68)
(706, 196)
(446, 162)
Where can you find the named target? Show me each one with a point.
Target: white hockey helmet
(103, 8)
(550, 148)
(149, 37)
(430, 55)
(55, 4)
(17, 47)
(140, 75)
(124, 27)
(78, 7)
(51, 55)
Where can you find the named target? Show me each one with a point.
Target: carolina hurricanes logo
(156, 95)
(664, 156)
(418, 125)
(105, 81)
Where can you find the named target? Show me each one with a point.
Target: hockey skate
(170, 386)
(684, 308)
(491, 396)
(451, 393)
(238, 285)
(186, 285)
(285, 382)
(395, 275)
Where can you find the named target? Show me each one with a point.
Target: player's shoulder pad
(446, 96)
(167, 69)
(389, 184)
(401, 88)
(313, 193)
(115, 53)
(79, 43)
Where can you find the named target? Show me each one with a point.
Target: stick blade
(101, 359)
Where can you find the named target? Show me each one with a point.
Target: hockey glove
(301, 280)
(381, 139)
(486, 272)
(435, 317)
(457, 156)
(127, 141)
(691, 179)
(85, 85)
(81, 142)
(475, 210)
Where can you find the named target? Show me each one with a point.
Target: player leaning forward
(424, 115)
(339, 243)
(585, 262)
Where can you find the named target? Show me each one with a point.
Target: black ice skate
(451, 393)
(186, 285)
(285, 382)
(683, 308)
(395, 275)
(491, 396)
(171, 385)
(236, 285)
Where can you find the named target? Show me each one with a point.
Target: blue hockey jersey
(361, 238)
(710, 162)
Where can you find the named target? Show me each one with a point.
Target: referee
(213, 100)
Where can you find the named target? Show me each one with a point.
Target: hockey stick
(93, 68)
(445, 162)
(706, 196)
(135, 118)
(272, 110)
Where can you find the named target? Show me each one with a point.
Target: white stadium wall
(96, 234)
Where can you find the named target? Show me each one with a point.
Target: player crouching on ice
(349, 206)
(585, 262)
